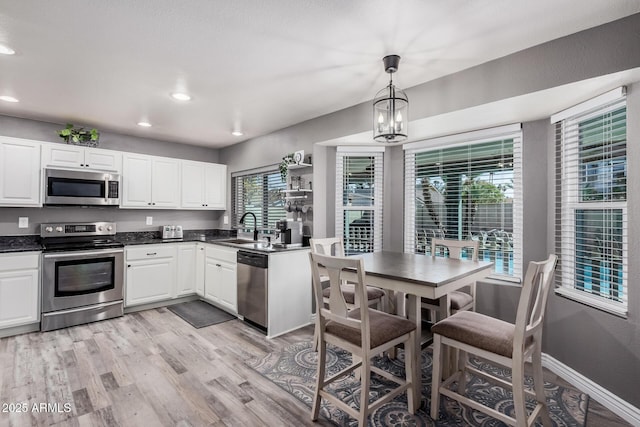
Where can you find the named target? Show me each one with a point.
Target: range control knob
(109, 228)
(59, 229)
(48, 229)
(100, 228)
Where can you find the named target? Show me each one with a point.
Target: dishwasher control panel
(253, 259)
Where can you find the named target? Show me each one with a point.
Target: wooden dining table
(420, 276)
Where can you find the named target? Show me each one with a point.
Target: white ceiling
(255, 65)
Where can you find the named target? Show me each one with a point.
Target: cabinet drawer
(222, 253)
(24, 261)
(150, 252)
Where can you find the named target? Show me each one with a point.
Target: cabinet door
(19, 172)
(228, 293)
(19, 302)
(136, 181)
(216, 186)
(186, 281)
(66, 156)
(164, 183)
(150, 280)
(200, 269)
(106, 160)
(220, 283)
(193, 181)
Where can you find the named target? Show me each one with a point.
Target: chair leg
(462, 358)
(518, 391)
(315, 410)
(409, 361)
(316, 338)
(538, 384)
(365, 382)
(436, 375)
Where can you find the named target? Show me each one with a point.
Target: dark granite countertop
(154, 237)
(28, 243)
(20, 243)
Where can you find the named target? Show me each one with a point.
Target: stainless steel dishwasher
(253, 288)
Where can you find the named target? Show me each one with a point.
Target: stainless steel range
(82, 274)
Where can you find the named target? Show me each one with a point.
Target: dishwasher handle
(253, 259)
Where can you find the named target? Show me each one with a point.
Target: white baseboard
(620, 407)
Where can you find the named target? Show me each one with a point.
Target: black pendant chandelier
(390, 108)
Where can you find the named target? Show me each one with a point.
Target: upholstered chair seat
(384, 328)
(349, 293)
(457, 300)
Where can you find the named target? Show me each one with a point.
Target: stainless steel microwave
(67, 187)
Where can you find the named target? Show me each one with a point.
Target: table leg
(414, 314)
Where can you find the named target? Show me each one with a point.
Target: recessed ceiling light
(6, 50)
(144, 124)
(180, 96)
(237, 133)
(8, 98)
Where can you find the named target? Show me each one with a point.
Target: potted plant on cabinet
(79, 135)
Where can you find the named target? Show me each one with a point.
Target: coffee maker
(288, 233)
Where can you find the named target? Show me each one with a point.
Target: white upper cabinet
(203, 185)
(76, 157)
(19, 172)
(150, 182)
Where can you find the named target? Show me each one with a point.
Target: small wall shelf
(299, 165)
(302, 190)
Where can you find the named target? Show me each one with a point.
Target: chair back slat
(328, 246)
(337, 311)
(533, 298)
(455, 247)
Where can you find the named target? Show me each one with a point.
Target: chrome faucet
(255, 224)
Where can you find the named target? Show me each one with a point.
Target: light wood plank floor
(153, 369)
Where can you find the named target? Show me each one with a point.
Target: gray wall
(600, 346)
(127, 219)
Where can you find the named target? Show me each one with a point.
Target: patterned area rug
(294, 370)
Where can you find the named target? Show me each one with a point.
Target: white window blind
(359, 181)
(467, 187)
(591, 205)
(260, 193)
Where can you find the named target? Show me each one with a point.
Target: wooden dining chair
(364, 332)
(334, 246)
(458, 300)
(501, 342)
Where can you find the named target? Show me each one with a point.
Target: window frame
(265, 220)
(376, 208)
(569, 204)
(513, 131)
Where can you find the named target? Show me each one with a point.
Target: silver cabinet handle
(218, 265)
(152, 253)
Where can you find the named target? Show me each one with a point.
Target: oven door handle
(76, 254)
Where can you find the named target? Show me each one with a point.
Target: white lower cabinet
(151, 273)
(186, 283)
(290, 292)
(220, 282)
(19, 289)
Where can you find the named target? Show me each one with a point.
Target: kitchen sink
(238, 241)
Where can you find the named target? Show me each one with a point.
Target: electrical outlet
(23, 222)
(225, 219)
(149, 220)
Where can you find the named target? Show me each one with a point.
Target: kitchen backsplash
(126, 219)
